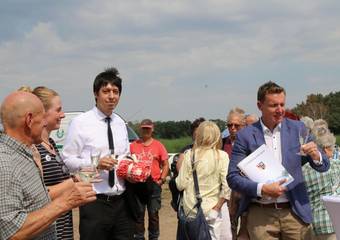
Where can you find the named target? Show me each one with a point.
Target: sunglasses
(230, 125)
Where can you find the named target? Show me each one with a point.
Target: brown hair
(268, 88)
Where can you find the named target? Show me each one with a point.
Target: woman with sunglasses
(53, 168)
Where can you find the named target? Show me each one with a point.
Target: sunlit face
(54, 114)
(234, 124)
(146, 133)
(107, 98)
(273, 109)
(37, 125)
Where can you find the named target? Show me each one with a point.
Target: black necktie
(111, 146)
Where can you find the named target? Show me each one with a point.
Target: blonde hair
(208, 136)
(25, 89)
(45, 95)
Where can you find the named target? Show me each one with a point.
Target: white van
(60, 134)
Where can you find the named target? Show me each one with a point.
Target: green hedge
(175, 145)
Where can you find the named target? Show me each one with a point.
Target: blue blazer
(248, 140)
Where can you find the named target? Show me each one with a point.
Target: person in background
(309, 123)
(55, 173)
(321, 184)
(211, 165)
(275, 211)
(100, 129)
(235, 122)
(149, 193)
(250, 119)
(26, 211)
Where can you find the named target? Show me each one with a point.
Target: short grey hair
(309, 123)
(238, 112)
(320, 128)
(326, 140)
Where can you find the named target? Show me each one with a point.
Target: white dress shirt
(88, 131)
(273, 142)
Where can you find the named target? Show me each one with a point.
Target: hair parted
(268, 88)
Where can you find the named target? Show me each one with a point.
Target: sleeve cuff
(259, 189)
(318, 162)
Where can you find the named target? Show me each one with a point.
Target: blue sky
(179, 59)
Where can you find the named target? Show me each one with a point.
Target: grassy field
(338, 139)
(175, 145)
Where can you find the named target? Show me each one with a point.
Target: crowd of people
(40, 185)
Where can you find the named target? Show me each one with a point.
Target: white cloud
(167, 48)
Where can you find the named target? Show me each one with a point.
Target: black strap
(194, 174)
(111, 147)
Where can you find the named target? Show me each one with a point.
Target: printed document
(260, 166)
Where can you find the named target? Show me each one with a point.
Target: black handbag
(193, 228)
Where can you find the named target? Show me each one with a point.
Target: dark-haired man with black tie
(102, 130)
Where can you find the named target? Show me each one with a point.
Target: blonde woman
(211, 165)
(54, 170)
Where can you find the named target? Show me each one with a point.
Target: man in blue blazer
(275, 211)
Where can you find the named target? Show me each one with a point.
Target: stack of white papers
(332, 204)
(262, 167)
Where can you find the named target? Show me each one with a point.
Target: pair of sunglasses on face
(231, 125)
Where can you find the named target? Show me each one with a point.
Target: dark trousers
(149, 195)
(106, 220)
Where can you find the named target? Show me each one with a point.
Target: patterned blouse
(320, 184)
(54, 172)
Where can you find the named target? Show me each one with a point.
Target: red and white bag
(133, 169)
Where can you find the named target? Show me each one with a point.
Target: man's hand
(311, 149)
(77, 195)
(107, 163)
(160, 181)
(274, 189)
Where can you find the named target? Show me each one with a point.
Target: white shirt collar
(100, 114)
(267, 131)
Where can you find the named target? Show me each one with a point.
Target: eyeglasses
(231, 125)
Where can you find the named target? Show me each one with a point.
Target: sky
(179, 59)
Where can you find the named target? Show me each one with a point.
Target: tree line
(174, 129)
(319, 106)
(315, 106)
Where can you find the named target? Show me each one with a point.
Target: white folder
(262, 167)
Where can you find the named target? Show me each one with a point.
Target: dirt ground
(167, 218)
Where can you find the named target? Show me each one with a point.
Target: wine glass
(87, 173)
(303, 139)
(95, 156)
